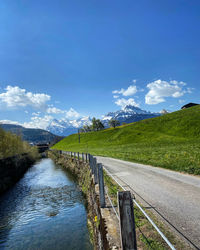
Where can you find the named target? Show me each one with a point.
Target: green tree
(86, 128)
(114, 123)
(97, 124)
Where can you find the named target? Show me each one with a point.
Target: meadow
(171, 141)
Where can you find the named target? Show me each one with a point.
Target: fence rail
(126, 203)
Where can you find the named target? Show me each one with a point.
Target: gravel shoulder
(174, 195)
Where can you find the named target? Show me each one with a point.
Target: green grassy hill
(170, 141)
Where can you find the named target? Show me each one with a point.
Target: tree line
(11, 144)
(98, 125)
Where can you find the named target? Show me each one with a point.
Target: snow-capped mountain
(128, 114)
(66, 127)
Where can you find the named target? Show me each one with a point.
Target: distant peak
(164, 111)
(131, 107)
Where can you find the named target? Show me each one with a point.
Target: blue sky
(61, 58)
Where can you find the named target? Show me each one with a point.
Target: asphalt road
(174, 195)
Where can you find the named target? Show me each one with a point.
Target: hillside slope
(171, 141)
(31, 134)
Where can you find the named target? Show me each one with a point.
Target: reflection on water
(45, 210)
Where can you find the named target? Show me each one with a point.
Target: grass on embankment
(147, 236)
(171, 141)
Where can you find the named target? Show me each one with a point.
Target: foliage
(171, 141)
(11, 144)
(114, 123)
(85, 129)
(96, 126)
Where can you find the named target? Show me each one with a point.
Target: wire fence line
(113, 207)
(145, 214)
(94, 169)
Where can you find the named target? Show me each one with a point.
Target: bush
(11, 144)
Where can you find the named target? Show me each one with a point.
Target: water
(44, 210)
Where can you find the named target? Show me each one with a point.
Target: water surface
(44, 210)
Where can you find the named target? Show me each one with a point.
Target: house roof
(189, 105)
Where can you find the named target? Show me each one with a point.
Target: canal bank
(13, 168)
(81, 171)
(44, 210)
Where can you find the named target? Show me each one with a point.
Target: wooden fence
(125, 203)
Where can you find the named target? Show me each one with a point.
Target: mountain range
(32, 135)
(127, 115)
(65, 127)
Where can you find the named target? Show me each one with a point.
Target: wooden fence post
(90, 161)
(83, 157)
(95, 171)
(86, 157)
(101, 185)
(127, 221)
(78, 156)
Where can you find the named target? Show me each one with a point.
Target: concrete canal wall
(81, 171)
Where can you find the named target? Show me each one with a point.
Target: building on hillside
(191, 104)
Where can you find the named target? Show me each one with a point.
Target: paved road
(176, 196)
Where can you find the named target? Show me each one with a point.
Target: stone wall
(82, 173)
(12, 169)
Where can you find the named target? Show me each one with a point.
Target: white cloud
(131, 90)
(124, 102)
(71, 113)
(15, 97)
(159, 89)
(189, 90)
(115, 96)
(53, 110)
(178, 83)
(10, 122)
(36, 113)
(39, 122)
(118, 91)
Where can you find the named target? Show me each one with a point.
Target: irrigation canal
(44, 210)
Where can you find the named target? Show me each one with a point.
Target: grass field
(171, 141)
